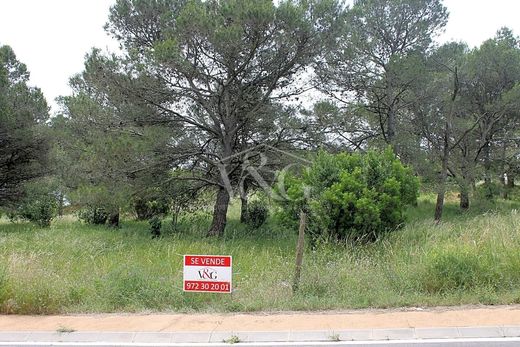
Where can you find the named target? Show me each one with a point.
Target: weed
(334, 337)
(232, 340)
(64, 330)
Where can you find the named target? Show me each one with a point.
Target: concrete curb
(259, 336)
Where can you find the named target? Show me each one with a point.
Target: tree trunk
(503, 165)
(219, 213)
(243, 209)
(505, 192)
(175, 216)
(391, 109)
(505, 189)
(390, 132)
(443, 176)
(465, 184)
(61, 204)
(510, 180)
(464, 199)
(439, 206)
(113, 219)
(487, 171)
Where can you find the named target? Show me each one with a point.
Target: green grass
(472, 257)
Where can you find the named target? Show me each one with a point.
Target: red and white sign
(207, 273)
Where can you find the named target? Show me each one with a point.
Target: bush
(257, 214)
(146, 208)
(39, 204)
(484, 191)
(155, 226)
(93, 215)
(350, 196)
(40, 212)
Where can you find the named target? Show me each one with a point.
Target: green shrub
(155, 226)
(257, 213)
(513, 193)
(350, 196)
(148, 208)
(493, 189)
(39, 204)
(40, 211)
(93, 215)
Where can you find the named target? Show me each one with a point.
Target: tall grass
(471, 257)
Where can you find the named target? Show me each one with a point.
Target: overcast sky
(53, 36)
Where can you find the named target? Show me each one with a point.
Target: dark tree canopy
(23, 141)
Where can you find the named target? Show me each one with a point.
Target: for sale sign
(207, 273)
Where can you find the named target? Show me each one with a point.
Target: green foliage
(93, 215)
(148, 208)
(24, 142)
(155, 226)
(513, 193)
(351, 196)
(485, 191)
(40, 211)
(184, 195)
(102, 162)
(257, 213)
(39, 204)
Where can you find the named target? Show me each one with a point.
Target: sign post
(207, 273)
